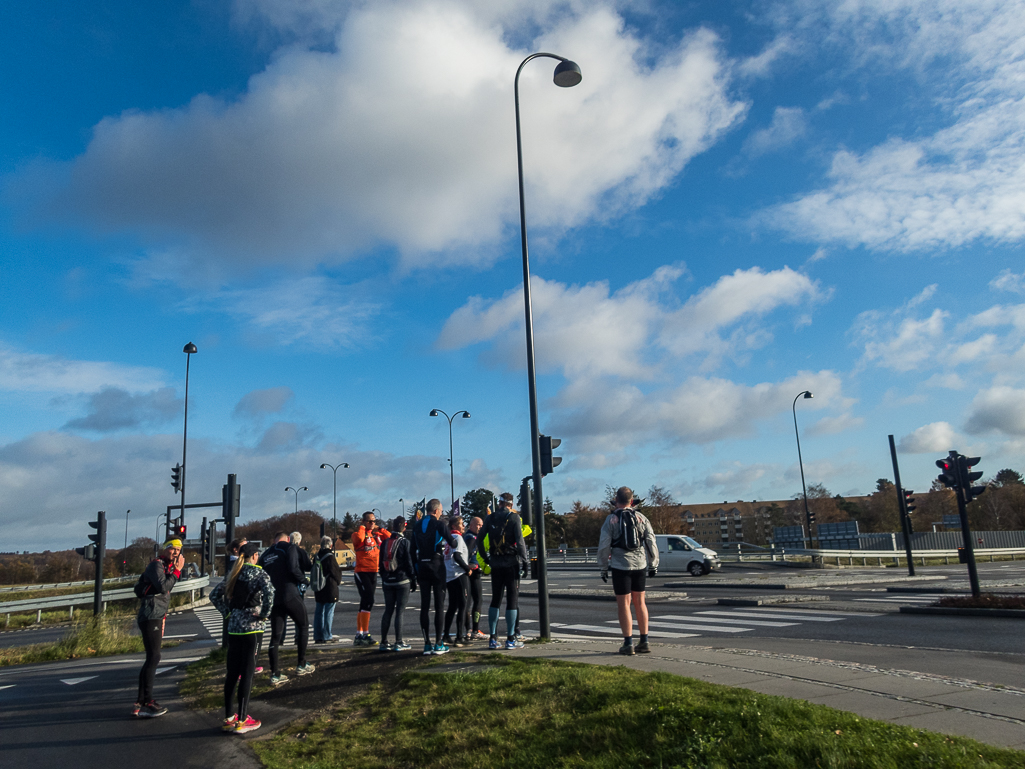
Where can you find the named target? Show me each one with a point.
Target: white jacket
(644, 557)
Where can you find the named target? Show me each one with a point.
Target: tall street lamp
(807, 516)
(451, 467)
(124, 553)
(334, 497)
(567, 75)
(301, 488)
(188, 349)
(402, 508)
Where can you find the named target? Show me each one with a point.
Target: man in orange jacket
(366, 541)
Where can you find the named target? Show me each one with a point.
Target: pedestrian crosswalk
(212, 622)
(916, 599)
(697, 624)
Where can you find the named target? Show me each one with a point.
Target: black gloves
(412, 586)
(652, 572)
(605, 576)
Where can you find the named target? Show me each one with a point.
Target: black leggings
(476, 584)
(366, 584)
(241, 667)
(290, 606)
(395, 597)
(456, 605)
(152, 631)
(503, 579)
(431, 584)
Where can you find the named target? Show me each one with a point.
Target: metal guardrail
(896, 556)
(39, 605)
(57, 585)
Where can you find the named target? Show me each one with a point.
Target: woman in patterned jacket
(245, 598)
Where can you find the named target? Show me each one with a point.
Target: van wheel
(696, 568)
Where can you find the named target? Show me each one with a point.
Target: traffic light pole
(905, 519)
(101, 550)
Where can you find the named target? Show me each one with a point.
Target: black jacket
(160, 579)
(332, 576)
(429, 537)
(405, 572)
(281, 562)
(513, 528)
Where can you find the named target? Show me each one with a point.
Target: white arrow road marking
(8, 686)
(164, 670)
(73, 681)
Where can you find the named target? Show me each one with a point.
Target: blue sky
(735, 205)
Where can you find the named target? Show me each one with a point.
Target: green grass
(540, 713)
(92, 638)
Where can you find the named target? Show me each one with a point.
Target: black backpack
(502, 543)
(390, 553)
(627, 539)
(142, 587)
(245, 595)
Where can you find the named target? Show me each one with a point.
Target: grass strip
(542, 713)
(96, 637)
(984, 601)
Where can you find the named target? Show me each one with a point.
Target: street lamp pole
(124, 552)
(402, 508)
(334, 496)
(301, 488)
(567, 75)
(807, 515)
(451, 466)
(188, 349)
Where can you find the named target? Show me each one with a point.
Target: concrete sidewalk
(989, 706)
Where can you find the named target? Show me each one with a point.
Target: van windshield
(693, 543)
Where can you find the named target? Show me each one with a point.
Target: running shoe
(401, 647)
(135, 709)
(428, 649)
(277, 680)
(249, 725)
(642, 648)
(521, 637)
(305, 669)
(514, 643)
(230, 724)
(493, 643)
(440, 649)
(447, 640)
(479, 635)
(258, 670)
(357, 641)
(369, 641)
(627, 649)
(459, 642)
(384, 647)
(151, 710)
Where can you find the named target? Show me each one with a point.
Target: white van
(678, 552)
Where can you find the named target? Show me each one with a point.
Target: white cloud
(736, 479)
(929, 439)
(32, 372)
(402, 135)
(963, 183)
(1009, 281)
(999, 409)
(836, 425)
(115, 409)
(788, 125)
(311, 310)
(910, 345)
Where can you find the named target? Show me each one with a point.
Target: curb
(953, 611)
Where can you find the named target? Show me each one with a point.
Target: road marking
(182, 635)
(8, 686)
(695, 618)
(770, 616)
(803, 612)
(616, 631)
(709, 628)
(74, 681)
(164, 670)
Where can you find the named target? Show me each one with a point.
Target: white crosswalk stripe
(711, 622)
(213, 623)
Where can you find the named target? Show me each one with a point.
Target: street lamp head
(567, 74)
(189, 348)
(807, 394)
(434, 413)
(323, 467)
(305, 488)
(466, 415)
(345, 465)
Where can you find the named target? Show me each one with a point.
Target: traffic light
(211, 541)
(100, 537)
(179, 531)
(526, 503)
(548, 462)
(948, 472)
(230, 493)
(176, 478)
(909, 500)
(88, 552)
(811, 518)
(967, 477)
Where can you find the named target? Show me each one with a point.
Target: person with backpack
(457, 569)
(366, 541)
(325, 576)
(281, 562)
(244, 599)
(505, 554)
(398, 580)
(430, 534)
(627, 545)
(154, 588)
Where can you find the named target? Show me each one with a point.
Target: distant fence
(943, 540)
(58, 585)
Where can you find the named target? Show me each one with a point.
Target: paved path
(962, 700)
